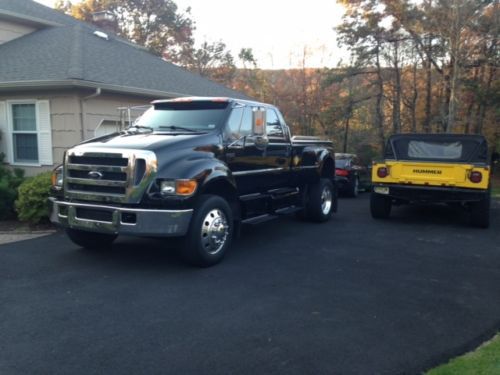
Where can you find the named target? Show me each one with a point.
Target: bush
(9, 182)
(32, 205)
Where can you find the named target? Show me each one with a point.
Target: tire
(353, 191)
(210, 232)
(380, 206)
(321, 200)
(480, 212)
(90, 240)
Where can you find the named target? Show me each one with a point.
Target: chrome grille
(108, 174)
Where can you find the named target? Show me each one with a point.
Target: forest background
(414, 66)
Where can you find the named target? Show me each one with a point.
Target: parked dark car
(352, 175)
(194, 168)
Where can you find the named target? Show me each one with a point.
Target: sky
(277, 31)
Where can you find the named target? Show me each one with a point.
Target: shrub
(9, 182)
(32, 205)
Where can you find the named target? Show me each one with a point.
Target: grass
(485, 360)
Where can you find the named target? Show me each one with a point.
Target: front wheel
(90, 240)
(321, 201)
(210, 232)
(380, 206)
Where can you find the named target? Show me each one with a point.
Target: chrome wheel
(214, 231)
(326, 200)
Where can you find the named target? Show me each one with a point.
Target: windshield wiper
(174, 127)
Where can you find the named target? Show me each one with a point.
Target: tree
(212, 60)
(156, 24)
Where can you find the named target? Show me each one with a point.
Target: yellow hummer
(433, 168)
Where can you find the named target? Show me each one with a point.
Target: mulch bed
(10, 226)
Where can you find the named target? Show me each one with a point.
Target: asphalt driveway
(350, 296)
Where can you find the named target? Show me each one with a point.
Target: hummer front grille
(110, 175)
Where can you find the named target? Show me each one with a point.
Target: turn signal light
(341, 172)
(185, 187)
(476, 177)
(382, 172)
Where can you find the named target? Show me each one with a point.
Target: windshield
(341, 163)
(184, 116)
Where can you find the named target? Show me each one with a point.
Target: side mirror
(259, 127)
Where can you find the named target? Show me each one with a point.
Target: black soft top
(461, 148)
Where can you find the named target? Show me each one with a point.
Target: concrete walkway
(12, 231)
(6, 237)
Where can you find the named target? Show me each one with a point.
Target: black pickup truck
(194, 168)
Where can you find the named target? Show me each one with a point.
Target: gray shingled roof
(72, 54)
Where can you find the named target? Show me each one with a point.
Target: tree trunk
(414, 99)
(379, 113)
(396, 104)
(483, 104)
(452, 99)
(470, 107)
(428, 91)
(445, 101)
(346, 132)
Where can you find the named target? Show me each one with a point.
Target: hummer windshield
(183, 117)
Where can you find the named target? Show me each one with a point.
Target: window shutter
(4, 132)
(44, 132)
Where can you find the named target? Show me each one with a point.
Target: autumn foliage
(415, 66)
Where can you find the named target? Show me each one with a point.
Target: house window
(24, 133)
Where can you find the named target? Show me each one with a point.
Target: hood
(150, 141)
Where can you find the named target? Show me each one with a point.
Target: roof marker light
(101, 35)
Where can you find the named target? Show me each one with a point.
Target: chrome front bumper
(146, 222)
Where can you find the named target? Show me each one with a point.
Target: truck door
(256, 170)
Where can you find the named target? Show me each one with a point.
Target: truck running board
(266, 217)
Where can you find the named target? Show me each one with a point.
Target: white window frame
(10, 124)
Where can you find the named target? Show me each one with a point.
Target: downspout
(83, 109)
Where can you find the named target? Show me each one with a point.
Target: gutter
(83, 109)
(38, 84)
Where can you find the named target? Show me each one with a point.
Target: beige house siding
(10, 31)
(75, 118)
(105, 107)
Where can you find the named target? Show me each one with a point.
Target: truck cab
(195, 168)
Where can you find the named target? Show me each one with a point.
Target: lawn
(485, 360)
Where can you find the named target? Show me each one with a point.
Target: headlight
(167, 187)
(58, 177)
(178, 187)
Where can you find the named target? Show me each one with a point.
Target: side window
(246, 122)
(274, 128)
(233, 123)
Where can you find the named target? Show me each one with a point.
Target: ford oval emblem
(95, 175)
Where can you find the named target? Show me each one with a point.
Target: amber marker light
(185, 187)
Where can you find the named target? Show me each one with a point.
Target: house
(62, 80)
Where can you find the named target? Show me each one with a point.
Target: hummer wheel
(380, 206)
(480, 212)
